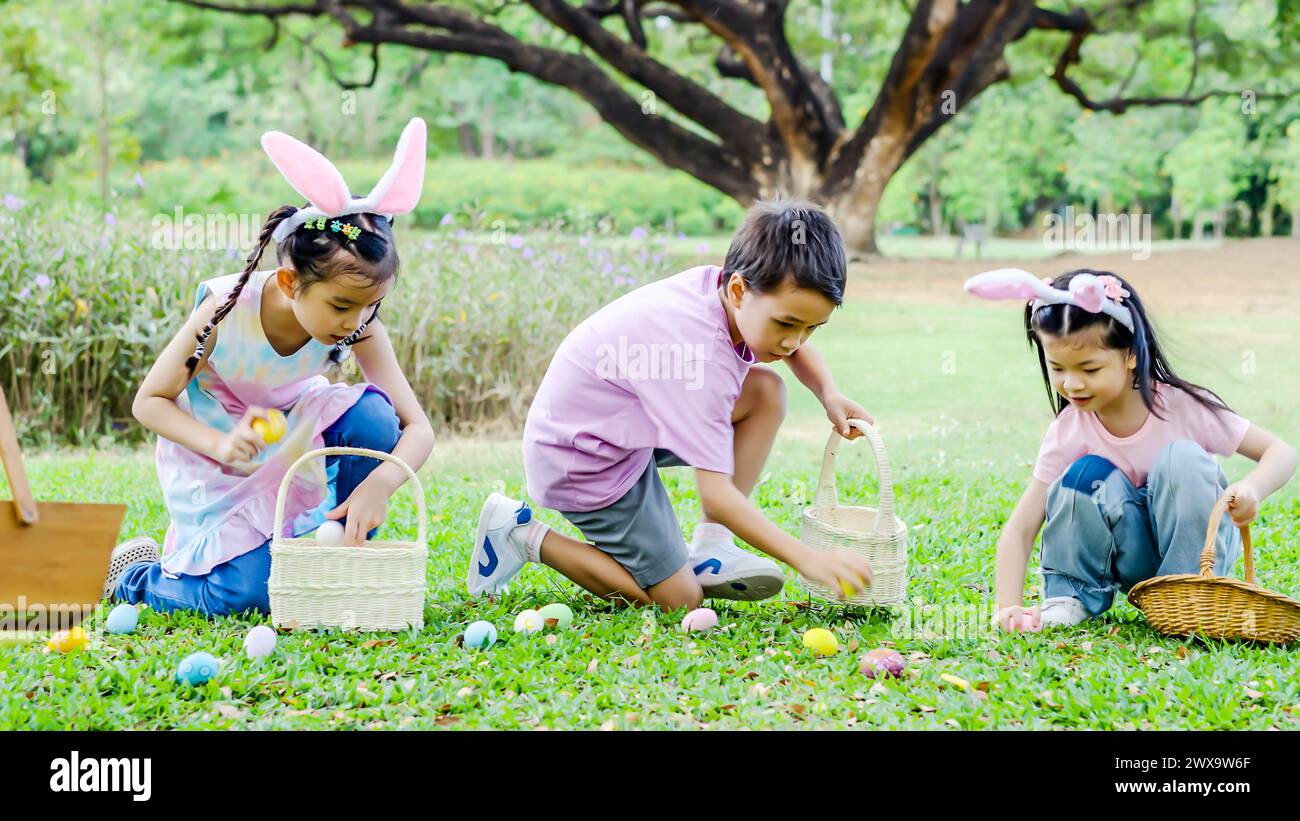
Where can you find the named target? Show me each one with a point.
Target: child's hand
(1243, 505)
(842, 571)
(1017, 619)
(242, 443)
(840, 409)
(365, 509)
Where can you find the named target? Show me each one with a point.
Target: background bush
(520, 194)
(87, 302)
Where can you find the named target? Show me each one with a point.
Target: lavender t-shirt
(1075, 434)
(655, 368)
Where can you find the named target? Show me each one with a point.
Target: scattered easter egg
(881, 662)
(556, 615)
(529, 621)
(122, 619)
(330, 533)
(272, 428)
(821, 641)
(68, 641)
(197, 668)
(260, 642)
(700, 619)
(480, 635)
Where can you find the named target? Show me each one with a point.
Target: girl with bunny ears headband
(233, 412)
(335, 234)
(1126, 475)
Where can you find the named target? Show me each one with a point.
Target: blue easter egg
(122, 619)
(197, 668)
(480, 635)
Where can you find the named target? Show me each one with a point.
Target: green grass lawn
(958, 398)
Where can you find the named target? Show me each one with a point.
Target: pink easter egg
(881, 662)
(698, 620)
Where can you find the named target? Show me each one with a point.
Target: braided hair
(316, 256)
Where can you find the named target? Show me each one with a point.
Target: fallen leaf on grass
(1252, 693)
(592, 665)
(956, 681)
(444, 720)
(230, 711)
(378, 643)
(1182, 652)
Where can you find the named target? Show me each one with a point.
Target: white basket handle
(373, 454)
(828, 496)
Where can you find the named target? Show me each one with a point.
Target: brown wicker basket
(1215, 606)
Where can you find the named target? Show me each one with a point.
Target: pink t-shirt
(655, 368)
(1075, 434)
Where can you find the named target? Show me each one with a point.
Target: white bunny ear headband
(321, 184)
(1095, 294)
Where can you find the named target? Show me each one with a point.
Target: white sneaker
(498, 555)
(725, 571)
(133, 551)
(1062, 611)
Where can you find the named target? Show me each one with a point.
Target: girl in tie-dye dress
(263, 340)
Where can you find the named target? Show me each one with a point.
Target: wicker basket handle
(828, 495)
(373, 454)
(1211, 537)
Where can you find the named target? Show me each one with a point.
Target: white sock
(534, 532)
(710, 533)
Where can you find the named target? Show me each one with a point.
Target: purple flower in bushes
(446, 219)
(12, 202)
(516, 242)
(639, 233)
(42, 281)
(110, 219)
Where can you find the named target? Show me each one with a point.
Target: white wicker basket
(377, 585)
(876, 534)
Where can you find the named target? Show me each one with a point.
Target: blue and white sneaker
(724, 571)
(498, 552)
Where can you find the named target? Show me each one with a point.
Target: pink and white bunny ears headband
(321, 184)
(1094, 294)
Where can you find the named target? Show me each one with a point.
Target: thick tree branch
(684, 95)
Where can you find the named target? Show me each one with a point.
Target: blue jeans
(1103, 534)
(240, 584)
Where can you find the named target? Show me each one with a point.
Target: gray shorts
(640, 530)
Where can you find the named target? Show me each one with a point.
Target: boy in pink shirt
(668, 375)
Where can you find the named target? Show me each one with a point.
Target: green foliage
(87, 306)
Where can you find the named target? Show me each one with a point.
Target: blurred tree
(946, 53)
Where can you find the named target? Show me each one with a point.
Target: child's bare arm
(1277, 462)
(155, 402)
(810, 368)
(725, 504)
(1016, 543)
(379, 364)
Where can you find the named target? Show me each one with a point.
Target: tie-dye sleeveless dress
(219, 512)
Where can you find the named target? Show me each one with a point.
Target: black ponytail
(1061, 319)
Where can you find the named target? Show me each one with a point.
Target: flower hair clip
(1094, 294)
(337, 226)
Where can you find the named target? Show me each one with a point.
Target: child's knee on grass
(680, 590)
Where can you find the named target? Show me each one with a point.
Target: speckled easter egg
(197, 668)
(881, 662)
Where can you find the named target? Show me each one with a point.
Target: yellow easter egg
(68, 641)
(821, 641)
(272, 428)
